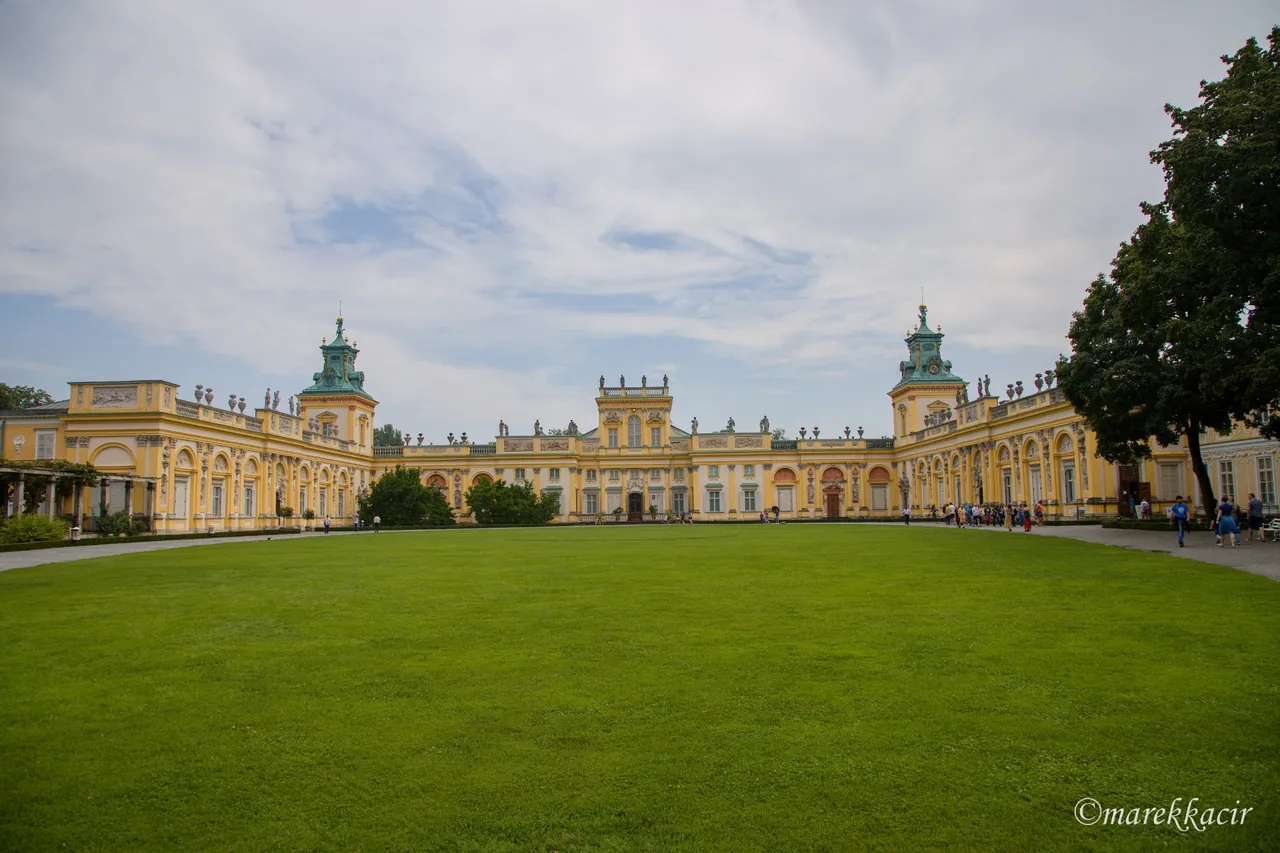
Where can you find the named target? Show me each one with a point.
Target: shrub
(33, 528)
(120, 524)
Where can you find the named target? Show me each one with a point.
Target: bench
(1272, 527)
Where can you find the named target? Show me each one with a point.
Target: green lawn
(780, 688)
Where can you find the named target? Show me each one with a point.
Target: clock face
(934, 366)
(329, 377)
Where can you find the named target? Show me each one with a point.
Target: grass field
(781, 688)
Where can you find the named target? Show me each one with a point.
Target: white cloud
(172, 165)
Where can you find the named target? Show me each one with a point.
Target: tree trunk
(1199, 469)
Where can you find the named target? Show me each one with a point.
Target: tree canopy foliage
(387, 436)
(22, 397)
(500, 503)
(401, 500)
(1182, 335)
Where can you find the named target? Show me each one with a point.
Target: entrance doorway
(1127, 489)
(833, 504)
(635, 507)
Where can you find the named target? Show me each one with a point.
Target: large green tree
(1222, 174)
(502, 503)
(1151, 348)
(1182, 335)
(387, 436)
(401, 500)
(22, 397)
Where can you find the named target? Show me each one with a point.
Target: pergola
(53, 474)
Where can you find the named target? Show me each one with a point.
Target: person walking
(377, 524)
(1026, 519)
(328, 522)
(906, 515)
(1227, 525)
(1008, 517)
(1180, 515)
(1039, 513)
(1255, 515)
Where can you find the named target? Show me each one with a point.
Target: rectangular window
(614, 475)
(519, 475)
(787, 498)
(713, 500)
(1068, 478)
(655, 473)
(613, 436)
(655, 501)
(302, 499)
(1034, 484)
(748, 470)
(553, 473)
(324, 501)
(677, 502)
(591, 476)
(248, 501)
(181, 509)
(633, 431)
(45, 443)
(1226, 478)
(1170, 480)
(1266, 480)
(591, 503)
(713, 471)
(1006, 483)
(678, 475)
(342, 502)
(655, 436)
(215, 507)
(749, 500)
(879, 496)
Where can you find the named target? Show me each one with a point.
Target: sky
(510, 199)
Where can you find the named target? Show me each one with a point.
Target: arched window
(633, 431)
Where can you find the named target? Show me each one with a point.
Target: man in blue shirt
(1181, 515)
(1255, 515)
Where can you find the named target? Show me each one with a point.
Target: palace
(190, 465)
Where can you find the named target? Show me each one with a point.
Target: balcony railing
(484, 449)
(879, 444)
(395, 450)
(785, 444)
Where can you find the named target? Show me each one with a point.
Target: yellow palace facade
(187, 464)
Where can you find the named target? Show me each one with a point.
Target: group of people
(975, 515)
(1228, 519)
(765, 513)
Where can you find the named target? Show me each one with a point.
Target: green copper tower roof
(925, 365)
(339, 374)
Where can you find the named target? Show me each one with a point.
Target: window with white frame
(1226, 478)
(713, 500)
(1067, 477)
(655, 473)
(591, 476)
(553, 473)
(45, 439)
(713, 471)
(678, 475)
(519, 475)
(749, 500)
(613, 436)
(302, 498)
(655, 436)
(655, 500)
(324, 501)
(677, 502)
(1266, 480)
(614, 474)
(635, 473)
(342, 502)
(249, 507)
(748, 470)
(215, 504)
(591, 503)
(1170, 474)
(633, 431)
